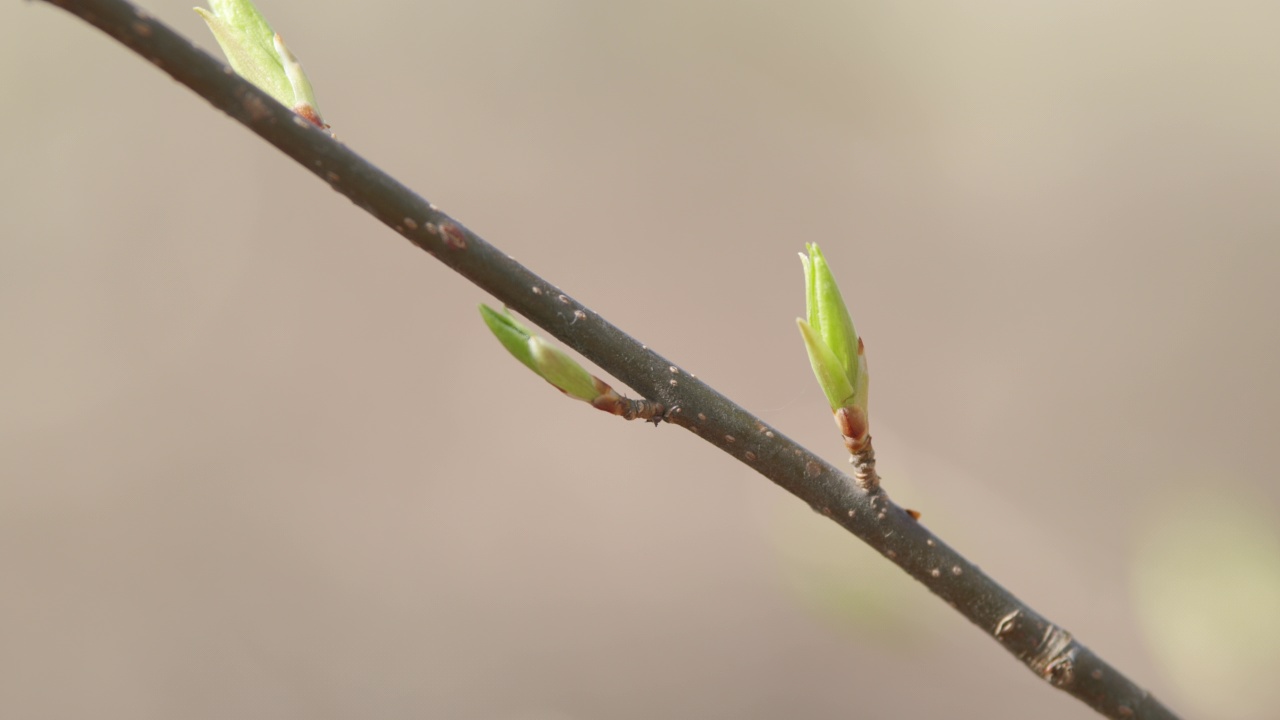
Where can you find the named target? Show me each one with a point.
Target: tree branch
(1048, 650)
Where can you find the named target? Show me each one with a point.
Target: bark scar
(1054, 658)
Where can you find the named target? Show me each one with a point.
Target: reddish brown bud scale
(607, 400)
(853, 425)
(311, 115)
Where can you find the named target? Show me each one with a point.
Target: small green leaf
(835, 351)
(549, 362)
(513, 336)
(301, 86)
(259, 55)
(826, 367)
(564, 372)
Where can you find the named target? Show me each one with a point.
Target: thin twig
(1046, 649)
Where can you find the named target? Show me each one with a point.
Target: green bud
(831, 377)
(835, 350)
(513, 336)
(259, 55)
(549, 362)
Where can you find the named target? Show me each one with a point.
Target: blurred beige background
(260, 458)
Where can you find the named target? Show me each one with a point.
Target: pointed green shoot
(259, 55)
(835, 351)
(549, 362)
(826, 367)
